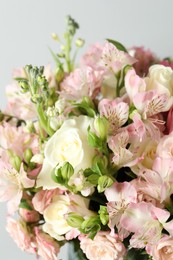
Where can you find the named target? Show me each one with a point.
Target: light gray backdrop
(25, 28)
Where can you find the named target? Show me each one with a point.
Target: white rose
(160, 77)
(68, 144)
(55, 214)
(55, 224)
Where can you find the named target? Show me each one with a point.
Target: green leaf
(24, 204)
(118, 45)
(75, 252)
(133, 254)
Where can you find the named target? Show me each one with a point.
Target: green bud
(56, 175)
(93, 139)
(101, 160)
(16, 162)
(104, 216)
(28, 155)
(91, 226)
(67, 171)
(103, 183)
(79, 42)
(36, 98)
(59, 74)
(101, 126)
(24, 86)
(74, 220)
(55, 36)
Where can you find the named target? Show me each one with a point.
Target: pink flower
(92, 57)
(43, 198)
(12, 184)
(29, 215)
(118, 144)
(163, 250)
(103, 246)
(82, 82)
(115, 59)
(148, 98)
(165, 147)
(119, 196)
(20, 234)
(19, 104)
(17, 140)
(115, 111)
(169, 122)
(47, 247)
(145, 58)
(167, 63)
(146, 222)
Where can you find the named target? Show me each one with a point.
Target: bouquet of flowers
(86, 153)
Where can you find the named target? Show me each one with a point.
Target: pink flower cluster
(89, 157)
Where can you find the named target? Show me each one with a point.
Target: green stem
(43, 120)
(67, 54)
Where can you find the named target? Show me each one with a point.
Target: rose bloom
(68, 144)
(160, 77)
(55, 215)
(163, 250)
(103, 246)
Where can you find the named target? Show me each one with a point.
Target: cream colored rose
(103, 247)
(68, 144)
(55, 223)
(55, 214)
(160, 77)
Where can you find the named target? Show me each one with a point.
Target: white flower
(56, 225)
(68, 144)
(161, 77)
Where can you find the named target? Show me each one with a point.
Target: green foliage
(118, 45)
(86, 107)
(24, 204)
(134, 254)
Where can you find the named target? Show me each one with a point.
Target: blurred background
(25, 35)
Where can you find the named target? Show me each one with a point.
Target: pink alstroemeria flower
(115, 59)
(12, 184)
(119, 196)
(146, 222)
(159, 180)
(118, 144)
(116, 111)
(147, 101)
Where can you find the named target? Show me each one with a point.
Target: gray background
(25, 29)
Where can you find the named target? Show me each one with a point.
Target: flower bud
(29, 215)
(67, 171)
(16, 162)
(79, 42)
(101, 127)
(74, 220)
(28, 155)
(55, 36)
